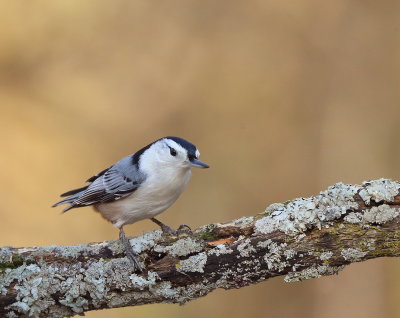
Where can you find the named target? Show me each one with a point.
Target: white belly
(152, 198)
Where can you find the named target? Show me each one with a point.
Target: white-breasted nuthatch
(139, 186)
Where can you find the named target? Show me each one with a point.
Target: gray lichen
(353, 254)
(379, 190)
(244, 221)
(220, 249)
(274, 207)
(325, 256)
(273, 258)
(164, 290)
(192, 264)
(142, 283)
(354, 217)
(312, 272)
(5, 254)
(36, 283)
(374, 215)
(32, 289)
(380, 214)
(289, 253)
(90, 280)
(245, 248)
(146, 241)
(182, 247)
(299, 215)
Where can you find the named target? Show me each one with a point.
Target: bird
(139, 186)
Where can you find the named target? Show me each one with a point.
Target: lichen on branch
(299, 239)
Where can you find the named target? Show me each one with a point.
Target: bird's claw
(182, 229)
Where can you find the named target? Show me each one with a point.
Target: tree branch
(301, 239)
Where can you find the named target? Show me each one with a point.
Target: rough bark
(299, 239)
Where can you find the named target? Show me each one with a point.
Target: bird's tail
(70, 200)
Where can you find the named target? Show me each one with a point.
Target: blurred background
(282, 98)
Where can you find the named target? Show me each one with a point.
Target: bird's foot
(130, 254)
(182, 229)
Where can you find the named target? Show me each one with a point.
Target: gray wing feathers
(115, 181)
(112, 184)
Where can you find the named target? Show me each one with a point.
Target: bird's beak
(198, 164)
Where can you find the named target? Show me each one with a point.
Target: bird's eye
(172, 151)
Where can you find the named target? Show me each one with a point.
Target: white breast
(155, 195)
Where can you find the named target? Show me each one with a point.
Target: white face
(170, 153)
(166, 153)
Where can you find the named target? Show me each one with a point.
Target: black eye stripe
(172, 151)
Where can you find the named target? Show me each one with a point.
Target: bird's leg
(129, 250)
(166, 229)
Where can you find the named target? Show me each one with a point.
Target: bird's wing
(91, 179)
(115, 183)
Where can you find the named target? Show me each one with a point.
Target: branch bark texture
(299, 239)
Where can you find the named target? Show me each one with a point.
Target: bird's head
(172, 152)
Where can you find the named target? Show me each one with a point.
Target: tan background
(283, 98)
